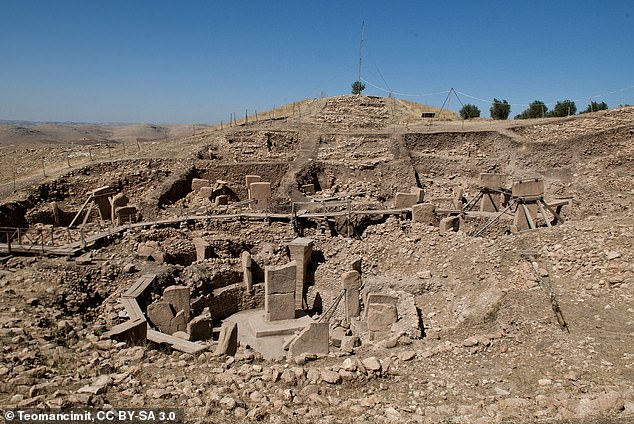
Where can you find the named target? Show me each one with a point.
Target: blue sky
(199, 61)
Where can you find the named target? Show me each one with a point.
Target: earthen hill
(334, 260)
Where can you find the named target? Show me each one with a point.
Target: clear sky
(198, 61)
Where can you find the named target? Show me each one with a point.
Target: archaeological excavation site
(347, 259)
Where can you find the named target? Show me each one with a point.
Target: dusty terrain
(492, 349)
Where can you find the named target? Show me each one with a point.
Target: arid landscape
(473, 319)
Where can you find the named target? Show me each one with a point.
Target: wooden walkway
(71, 249)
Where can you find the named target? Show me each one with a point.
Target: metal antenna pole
(361, 54)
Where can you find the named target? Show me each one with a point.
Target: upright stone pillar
(203, 249)
(301, 250)
(351, 283)
(118, 201)
(279, 292)
(420, 193)
(529, 191)
(491, 201)
(100, 196)
(247, 270)
(178, 297)
(250, 179)
(260, 193)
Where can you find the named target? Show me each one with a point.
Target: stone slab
(100, 196)
(204, 250)
(419, 192)
(301, 251)
(280, 279)
(381, 298)
(528, 188)
(405, 200)
(260, 193)
(178, 297)
(228, 339)
(178, 323)
(381, 316)
(198, 183)
(200, 328)
(312, 339)
(125, 214)
(355, 265)
(492, 180)
(160, 315)
(262, 328)
(133, 331)
(520, 221)
(351, 280)
(279, 306)
(490, 202)
(424, 213)
(450, 223)
(174, 342)
(247, 270)
(250, 179)
(301, 241)
(205, 192)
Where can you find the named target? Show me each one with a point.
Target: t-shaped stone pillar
(279, 292)
(101, 200)
(351, 283)
(301, 250)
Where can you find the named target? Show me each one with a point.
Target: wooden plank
(529, 218)
(557, 203)
(132, 308)
(174, 342)
(543, 211)
(139, 286)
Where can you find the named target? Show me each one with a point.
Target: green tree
(564, 108)
(357, 87)
(537, 109)
(594, 106)
(500, 109)
(469, 111)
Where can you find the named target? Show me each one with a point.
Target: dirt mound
(355, 111)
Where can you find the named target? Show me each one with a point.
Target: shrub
(469, 111)
(500, 109)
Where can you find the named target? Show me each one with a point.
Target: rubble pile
(354, 111)
(593, 123)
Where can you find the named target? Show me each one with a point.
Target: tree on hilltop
(537, 109)
(564, 108)
(469, 111)
(500, 109)
(357, 87)
(594, 106)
